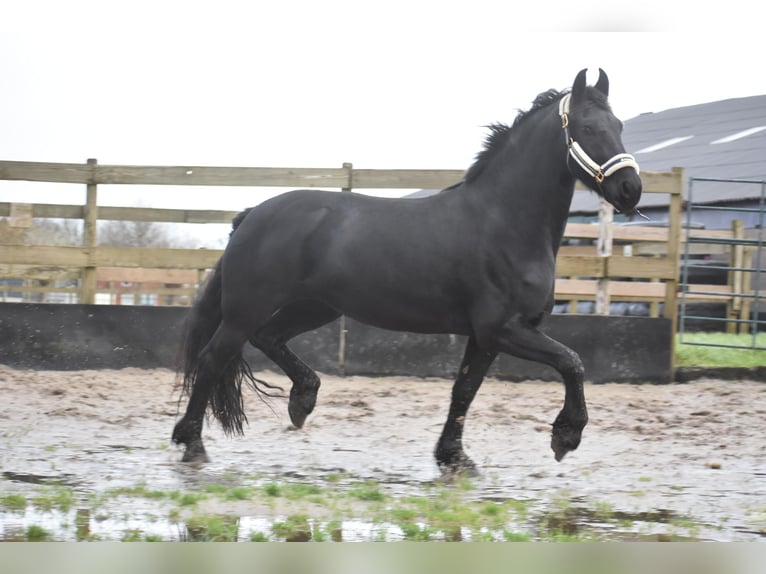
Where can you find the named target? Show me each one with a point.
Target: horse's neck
(529, 183)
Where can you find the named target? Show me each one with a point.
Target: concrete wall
(73, 337)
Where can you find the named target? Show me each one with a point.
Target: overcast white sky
(381, 84)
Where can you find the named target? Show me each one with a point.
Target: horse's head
(596, 155)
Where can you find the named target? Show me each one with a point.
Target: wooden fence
(643, 265)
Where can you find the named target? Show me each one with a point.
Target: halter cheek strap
(598, 172)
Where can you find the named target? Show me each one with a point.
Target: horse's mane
(499, 132)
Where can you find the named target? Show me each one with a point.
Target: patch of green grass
(59, 497)
(416, 532)
(715, 356)
(238, 493)
(213, 528)
(491, 509)
(559, 536)
(137, 535)
(369, 491)
(273, 490)
(510, 536)
(187, 498)
(258, 537)
(132, 535)
(14, 502)
(35, 533)
(218, 489)
(603, 511)
(299, 490)
(138, 491)
(295, 528)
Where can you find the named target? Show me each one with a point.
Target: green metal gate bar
(752, 323)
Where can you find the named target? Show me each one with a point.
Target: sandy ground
(696, 449)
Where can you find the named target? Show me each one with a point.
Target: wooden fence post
(674, 254)
(737, 261)
(342, 322)
(90, 218)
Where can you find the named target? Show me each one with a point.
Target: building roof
(718, 140)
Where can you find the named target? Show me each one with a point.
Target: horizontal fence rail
(643, 266)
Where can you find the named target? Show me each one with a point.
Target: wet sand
(696, 449)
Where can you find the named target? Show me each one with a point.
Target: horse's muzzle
(623, 190)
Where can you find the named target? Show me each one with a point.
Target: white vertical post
(605, 219)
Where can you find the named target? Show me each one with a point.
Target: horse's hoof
(458, 465)
(564, 439)
(300, 406)
(298, 416)
(195, 452)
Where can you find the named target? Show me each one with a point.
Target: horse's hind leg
(449, 453)
(214, 374)
(290, 321)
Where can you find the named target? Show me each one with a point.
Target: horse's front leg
(449, 453)
(526, 342)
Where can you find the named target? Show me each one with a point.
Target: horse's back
(387, 262)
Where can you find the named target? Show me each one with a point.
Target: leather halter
(598, 172)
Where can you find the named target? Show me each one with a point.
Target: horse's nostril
(627, 190)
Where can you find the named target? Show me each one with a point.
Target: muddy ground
(694, 450)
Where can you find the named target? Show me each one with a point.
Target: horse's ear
(603, 82)
(578, 88)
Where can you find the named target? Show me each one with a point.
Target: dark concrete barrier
(73, 337)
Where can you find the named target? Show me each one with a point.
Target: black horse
(477, 259)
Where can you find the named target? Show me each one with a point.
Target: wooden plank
(618, 290)
(692, 249)
(641, 267)
(111, 257)
(654, 182)
(40, 171)
(142, 275)
(404, 178)
(38, 273)
(155, 258)
(222, 176)
(577, 251)
(619, 232)
(593, 266)
(46, 255)
(46, 210)
(166, 215)
(60, 211)
(708, 293)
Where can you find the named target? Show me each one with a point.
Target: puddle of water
(153, 516)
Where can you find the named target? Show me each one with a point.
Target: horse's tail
(225, 400)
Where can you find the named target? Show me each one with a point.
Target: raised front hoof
(564, 439)
(301, 405)
(456, 464)
(195, 453)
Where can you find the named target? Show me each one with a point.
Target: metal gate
(723, 261)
